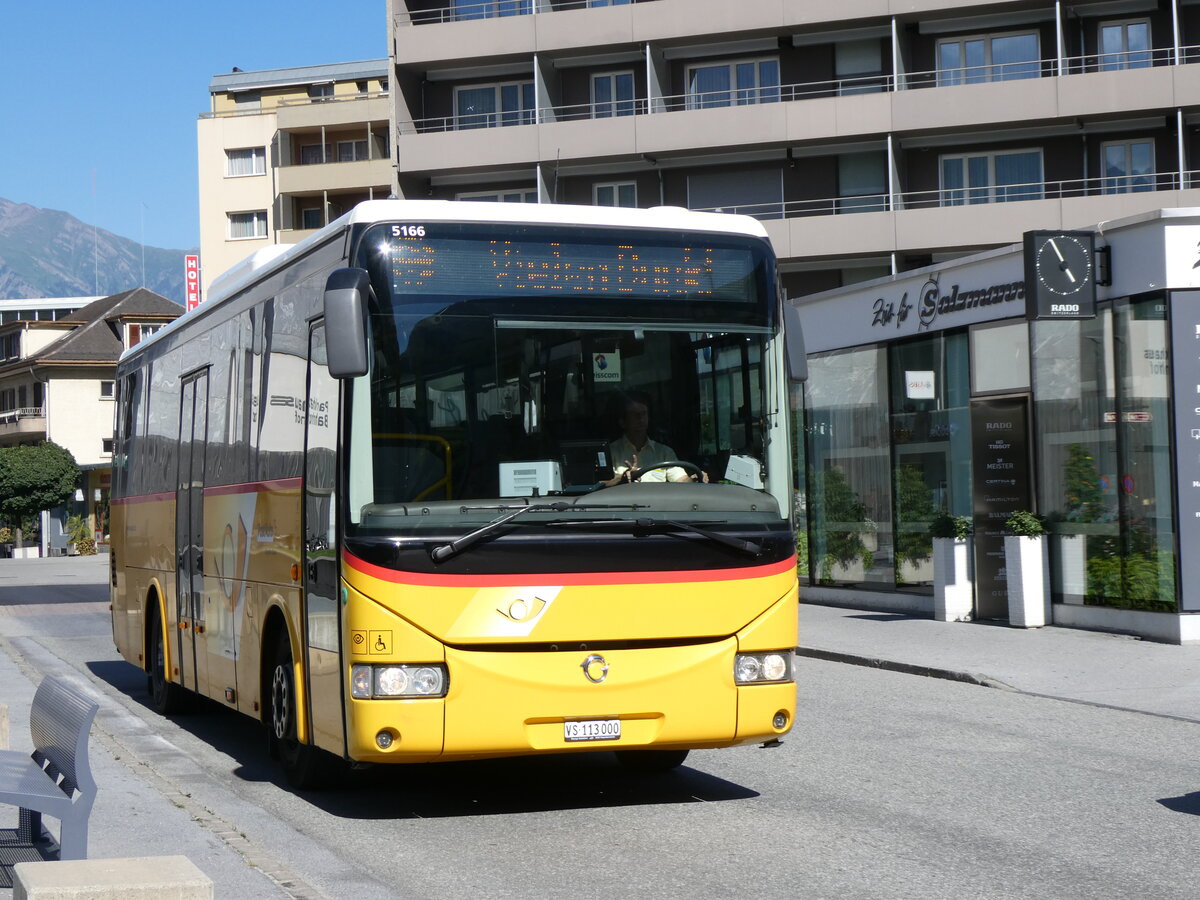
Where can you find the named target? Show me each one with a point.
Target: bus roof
(416, 212)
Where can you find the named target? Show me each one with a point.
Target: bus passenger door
(189, 532)
(322, 657)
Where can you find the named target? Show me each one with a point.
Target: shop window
(493, 105)
(1102, 400)
(736, 83)
(1124, 45)
(981, 58)
(1128, 166)
(991, 177)
(1000, 358)
(930, 438)
(849, 539)
(612, 95)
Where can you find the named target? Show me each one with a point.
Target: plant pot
(953, 580)
(1027, 568)
(1072, 566)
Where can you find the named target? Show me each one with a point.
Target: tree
(35, 478)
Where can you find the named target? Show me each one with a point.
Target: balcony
(21, 425)
(332, 112)
(868, 105)
(334, 176)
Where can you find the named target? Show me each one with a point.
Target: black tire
(651, 762)
(166, 697)
(305, 767)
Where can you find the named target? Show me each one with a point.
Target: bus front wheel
(650, 762)
(166, 697)
(305, 767)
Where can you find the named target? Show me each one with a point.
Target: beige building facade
(284, 152)
(870, 136)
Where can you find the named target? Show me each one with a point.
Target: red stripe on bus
(254, 487)
(144, 498)
(567, 578)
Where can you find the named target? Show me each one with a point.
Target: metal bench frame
(56, 778)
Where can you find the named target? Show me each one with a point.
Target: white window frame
(1125, 184)
(960, 76)
(259, 216)
(615, 187)
(353, 143)
(991, 196)
(257, 157)
(1121, 59)
(527, 115)
(110, 387)
(320, 215)
(320, 92)
(519, 195)
(615, 105)
(696, 100)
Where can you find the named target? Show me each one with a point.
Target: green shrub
(1023, 523)
(948, 526)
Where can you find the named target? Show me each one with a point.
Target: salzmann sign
(934, 302)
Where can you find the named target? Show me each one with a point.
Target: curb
(874, 662)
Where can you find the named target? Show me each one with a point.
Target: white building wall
(78, 418)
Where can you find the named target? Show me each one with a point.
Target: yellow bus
(382, 490)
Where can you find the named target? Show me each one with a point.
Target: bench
(55, 779)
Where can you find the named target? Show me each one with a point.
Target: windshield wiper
(443, 552)
(750, 547)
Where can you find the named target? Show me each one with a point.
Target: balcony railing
(471, 10)
(259, 109)
(10, 416)
(1108, 185)
(872, 83)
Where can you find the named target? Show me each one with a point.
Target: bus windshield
(517, 369)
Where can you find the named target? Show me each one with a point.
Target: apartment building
(58, 361)
(871, 136)
(283, 152)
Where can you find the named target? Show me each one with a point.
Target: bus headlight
(759, 668)
(375, 682)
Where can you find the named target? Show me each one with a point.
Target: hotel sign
(191, 280)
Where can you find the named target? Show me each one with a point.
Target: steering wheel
(688, 467)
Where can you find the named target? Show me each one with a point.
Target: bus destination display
(492, 267)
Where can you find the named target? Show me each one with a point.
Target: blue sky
(115, 87)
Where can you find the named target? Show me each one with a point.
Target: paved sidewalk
(1065, 663)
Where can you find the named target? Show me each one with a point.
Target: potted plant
(1027, 569)
(953, 578)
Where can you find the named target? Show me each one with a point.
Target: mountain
(48, 253)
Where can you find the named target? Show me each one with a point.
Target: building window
(1128, 166)
(622, 193)
(501, 196)
(310, 217)
(351, 151)
(733, 83)
(106, 389)
(248, 225)
(320, 92)
(494, 105)
(136, 332)
(247, 101)
(991, 177)
(106, 446)
(489, 9)
(862, 182)
(246, 161)
(595, 3)
(858, 66)
(612, 95)
(10, 346)
(1124, 45)
(315, 154)
(1002, 57)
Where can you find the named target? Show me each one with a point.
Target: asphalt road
(891, 786)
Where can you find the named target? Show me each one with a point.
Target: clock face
(1063, 264)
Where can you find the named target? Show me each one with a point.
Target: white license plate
(592, 730)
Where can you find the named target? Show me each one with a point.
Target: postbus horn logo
(595, 668)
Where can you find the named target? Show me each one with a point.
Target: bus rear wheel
(650, 762)
(304, 766)
(166, 697)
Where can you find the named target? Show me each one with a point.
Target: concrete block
(141, 878)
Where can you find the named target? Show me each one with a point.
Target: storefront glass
(1101, 392)
(931, 445)
(848, 472)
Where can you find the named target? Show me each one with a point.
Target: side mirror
(346, 293)
(794, 335)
